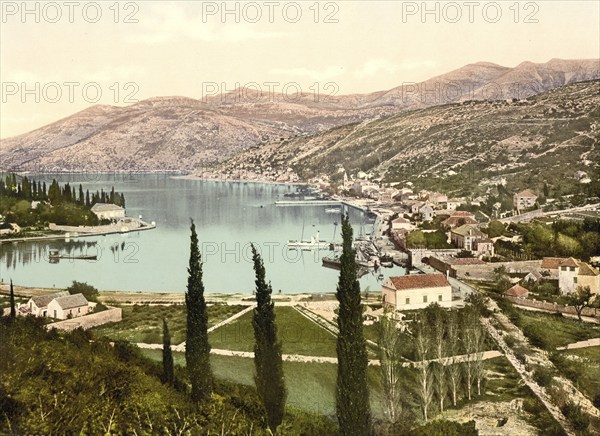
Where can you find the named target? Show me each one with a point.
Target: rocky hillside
(178, 133)
(552, 134)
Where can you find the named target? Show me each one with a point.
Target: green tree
(197, 348)
(269, 379)
(391, 365)
(168, 375)
(88, 291)
(581, 298)
(13, 309)
(495, 228)
(352, 393)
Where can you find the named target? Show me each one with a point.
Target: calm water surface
(228, 216)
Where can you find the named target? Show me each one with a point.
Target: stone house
(426, 212)
(524, 200)
(70, 306)
(416, 291)
(108, 211)
(573, 273)
(402, 223)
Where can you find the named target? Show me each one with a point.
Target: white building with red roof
(416, 291)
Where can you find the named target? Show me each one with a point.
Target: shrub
(543, 376)
(576, 416)
(510, 340)
(597, 401)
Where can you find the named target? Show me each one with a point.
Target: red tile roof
(419, 281)
(517, 291)
(587, 270)
(569, 262)
(526, 193)
(551, 262)
(454, 220)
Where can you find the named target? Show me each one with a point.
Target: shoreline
(226, 180)
(166, 297)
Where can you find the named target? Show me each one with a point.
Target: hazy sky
(66, 56)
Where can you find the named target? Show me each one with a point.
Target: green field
(298, 334)
(143, 323)
(550, 331)
(311, 386)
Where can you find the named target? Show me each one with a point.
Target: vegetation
(13, 309)
(432, 240)
(88, 291)
(581, 298)
(58, 204)
(352, 392)
(269, 377)
(582, 367)
(167, 361)
(61, 383)
(563, 238)
(197, 348)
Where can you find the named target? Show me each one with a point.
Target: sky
(57, 58)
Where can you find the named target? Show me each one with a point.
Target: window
(564, 268)
(79, 310)
(54, 313)
(424, 298)
(439, 298)
(574, 279)
(572, 268)
(407, 301)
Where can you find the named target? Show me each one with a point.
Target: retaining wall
(112, 314)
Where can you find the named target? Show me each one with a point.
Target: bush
(543, 376)
(576, 416)
(597, 401)
(443, 427)
(510, 340)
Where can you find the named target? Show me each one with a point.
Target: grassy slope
(298, 335)
(143, 323)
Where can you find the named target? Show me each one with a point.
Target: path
(581, 344)
(541, 358)
(181, 347)
(566, 315)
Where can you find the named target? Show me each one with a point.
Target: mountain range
(180, 133)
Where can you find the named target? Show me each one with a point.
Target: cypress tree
(87, 198)
(352, 393)
(269, 378)
(168, 376)
(13, 309)
(197, 348)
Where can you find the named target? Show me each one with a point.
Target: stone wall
(553, 307)
(112, 314)
(486, 272)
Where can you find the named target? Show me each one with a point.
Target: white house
(108, 211)
(426, 212)
(402, 223)
(416, 291)
(524, 199)
(573, 273)
(38, 306)
(70, 306)
(453, 203)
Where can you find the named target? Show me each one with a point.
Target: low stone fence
(553, 307)
(486, 272)
(112, 314)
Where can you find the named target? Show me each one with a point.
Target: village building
(415, 206)
(524, 200)
(533, 277)
(470, 238)
(573, 273)
(459, 218)
(517, 291)
(447, 264)
(437, 198)
(402, 223)
(108, 211)
(70, 306)
(416, 291)
(38, 306)
(426, 212)
(453, 203)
